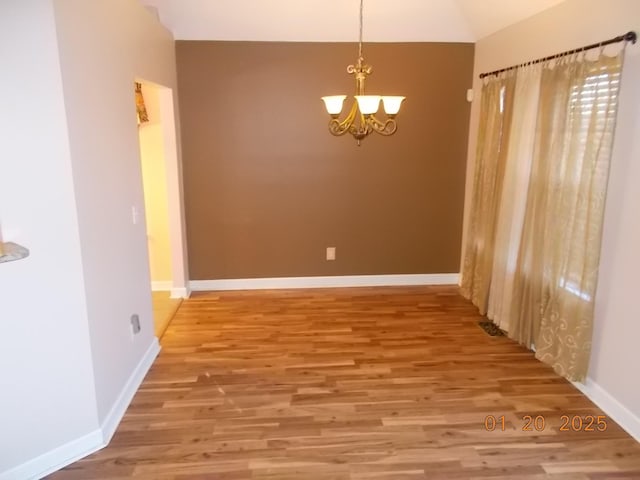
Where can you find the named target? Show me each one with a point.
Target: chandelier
(361, 120)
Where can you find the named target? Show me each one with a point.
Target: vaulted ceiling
(337, 20)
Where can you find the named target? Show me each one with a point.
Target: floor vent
(491, 329)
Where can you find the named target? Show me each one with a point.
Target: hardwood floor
(164, 308)
(366, 384)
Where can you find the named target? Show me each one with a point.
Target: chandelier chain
(361, 22)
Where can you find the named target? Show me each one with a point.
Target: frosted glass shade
(368, 104)
(392, 104)
(333, 104)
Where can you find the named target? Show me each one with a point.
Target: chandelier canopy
(361, 120)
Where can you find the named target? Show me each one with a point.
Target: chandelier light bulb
(334, 103)
(392, 104)
(368, 104)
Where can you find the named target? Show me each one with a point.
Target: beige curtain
(493, 137)
(514, 193)
(557, 267)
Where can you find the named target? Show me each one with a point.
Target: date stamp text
(538, 423)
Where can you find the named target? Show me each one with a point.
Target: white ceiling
(337, 20)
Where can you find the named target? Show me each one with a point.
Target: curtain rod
(627, 37)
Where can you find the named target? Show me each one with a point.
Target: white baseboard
(180, 292)
(112, 420)
(325, 282)
(629, 421)
(57, 458)
(167, 286)
(161, 286)
(73, 451)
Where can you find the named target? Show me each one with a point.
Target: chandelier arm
(388, 127)
(335, 128)
(338, 128)
(360, 131)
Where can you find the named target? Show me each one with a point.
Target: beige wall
(574, 23)
(104, 46)
(154, 177)
(67, 188)
(47, 393)
(268, 189)
(74, 176)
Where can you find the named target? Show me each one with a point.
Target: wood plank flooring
(164, 308)
(353, 384)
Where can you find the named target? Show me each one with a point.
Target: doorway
(162, 200)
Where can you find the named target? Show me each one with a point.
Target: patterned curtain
(539, 186)
(557, 269)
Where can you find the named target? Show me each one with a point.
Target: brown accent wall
(267, 188)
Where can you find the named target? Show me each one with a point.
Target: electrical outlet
(331, 253)
(135, 323)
